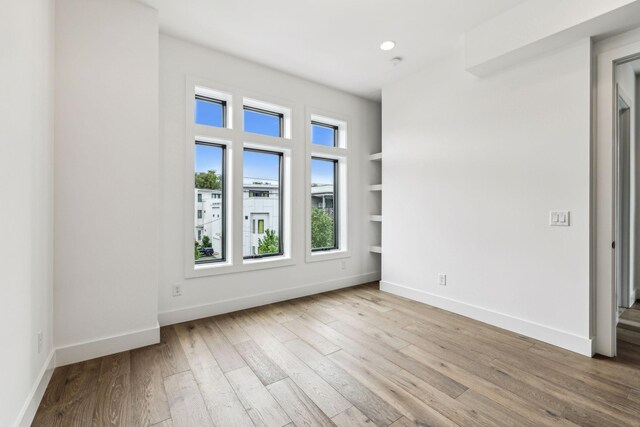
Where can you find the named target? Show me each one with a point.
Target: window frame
(281, 189)
(336, 203)
(342, 153)
(223, 104)
(223, 202)
(235, 139)
(279, 115)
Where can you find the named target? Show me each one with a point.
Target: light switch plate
(559, 218)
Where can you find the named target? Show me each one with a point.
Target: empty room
(319, 213)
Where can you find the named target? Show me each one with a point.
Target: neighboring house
(322, 197)
(261, 208)
(208, 217)
(261, 211)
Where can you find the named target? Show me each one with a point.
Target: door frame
(608, 54)
(619, 231)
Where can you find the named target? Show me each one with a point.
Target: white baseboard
(105, 346)
(234, 304)
(569, 341)
(633, 296)
(28, 411)
(109, 345)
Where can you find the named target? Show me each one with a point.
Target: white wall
(471, 169)
(214, 294)
(106, 177)
(26, 189)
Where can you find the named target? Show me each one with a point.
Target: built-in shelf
(375, 157)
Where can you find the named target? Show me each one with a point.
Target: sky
(258, 166)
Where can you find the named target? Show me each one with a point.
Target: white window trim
(341, 154)
(287, 228)
(193, 269)
(235, 140)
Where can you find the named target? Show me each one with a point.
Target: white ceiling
(335, 42)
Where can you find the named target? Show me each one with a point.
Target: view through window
(262, 203)
(264, 122)
(324, 223)
(324, 134)
(210, 111)
(209, 222)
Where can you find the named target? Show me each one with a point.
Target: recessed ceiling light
(388, 45)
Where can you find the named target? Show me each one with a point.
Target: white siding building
(208, 218)
(261, 212)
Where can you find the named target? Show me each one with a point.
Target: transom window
(324, 134)
(265, 122)
(210, 111)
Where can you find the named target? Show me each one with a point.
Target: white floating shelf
(375, 249)
(376, 218)
(377, 187)
(375, 157)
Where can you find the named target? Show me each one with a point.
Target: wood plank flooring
(629, 328)
(352, 357)
(632, 314)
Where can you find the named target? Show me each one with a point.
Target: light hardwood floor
(353, 357)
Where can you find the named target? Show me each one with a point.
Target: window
(324, 134)
(254, 193)
(265, 122)
(210, 222)
(324, 218)
(210, 111)
(262, 228)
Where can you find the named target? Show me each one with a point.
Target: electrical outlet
(442, 279)
(177, 290)
(343, 265)
(40, 341)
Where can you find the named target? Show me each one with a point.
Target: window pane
(262, 231)
(264, 122)
(209, 227)
(323, 205)
(209, 112)
(322, 134)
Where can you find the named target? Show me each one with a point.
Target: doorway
(613, 252)
(623, 200)
(627, 82)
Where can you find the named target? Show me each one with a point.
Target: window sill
(214, 269)
(327, 255)
(268, 262)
